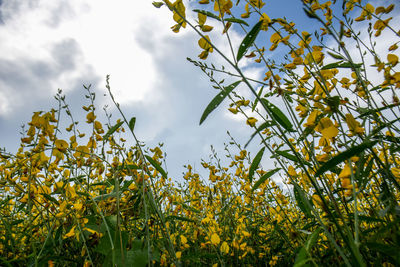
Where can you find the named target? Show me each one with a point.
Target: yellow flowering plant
(327, 130)
(84, 196)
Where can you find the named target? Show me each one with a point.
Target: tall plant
(327, 112)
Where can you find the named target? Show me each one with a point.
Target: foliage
(329, 120)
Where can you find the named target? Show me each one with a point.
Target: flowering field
(327, 113)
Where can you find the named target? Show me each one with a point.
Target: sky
(46, 45)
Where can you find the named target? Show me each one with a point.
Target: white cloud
(105, 35)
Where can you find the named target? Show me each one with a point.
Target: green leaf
(179, 218)
(188, 207)
(312, 240)
(388, 250)
(256, 101)
(5, 262)
(207, 13)
(218, 100)
(336, 56)
(369, 219)
(277, 115)
(259, 129)
(310, 13)
(158, 4)
(137, 258)
(333, 103)
(132, 123)
(333, 162)
(302, 201)
(157, 166)
(340, 65)
(248, 40)
(105, 196)
(131, 167)
(303, 257)
(52, 199)
(235, 20)
(371, 111)
(255, 163)
(291, 157)
(112, 130)
(264, 178)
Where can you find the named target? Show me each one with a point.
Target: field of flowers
(326, 115)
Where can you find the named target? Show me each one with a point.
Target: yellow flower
(257, 3)
(224, 248)
(179, 14)
(70, 191)
(223, 6)
(292, 171)
(266, 21)
(215, 240)
(98, 127)
(183, 240)
(203, 55)
(247, 14)
(346, 172)
(61, 145)
(311, 118)
(327, 129)
(354, 126)
(396, 172)
(206, 28)
(178, 254)
(70, 233)
(393, 59)
(205, 43)
(81, 151)
(90, 117)
(251, 121)
(233, 110)
(317, 200)
(322, 158)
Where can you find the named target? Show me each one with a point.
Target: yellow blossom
(393, 59)
(90, 117)
(354, 126)
(70, 233)
(266, 21)
(224, 247)
(251, 121)
(183, 240)
(61, 145)
(215, 240)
